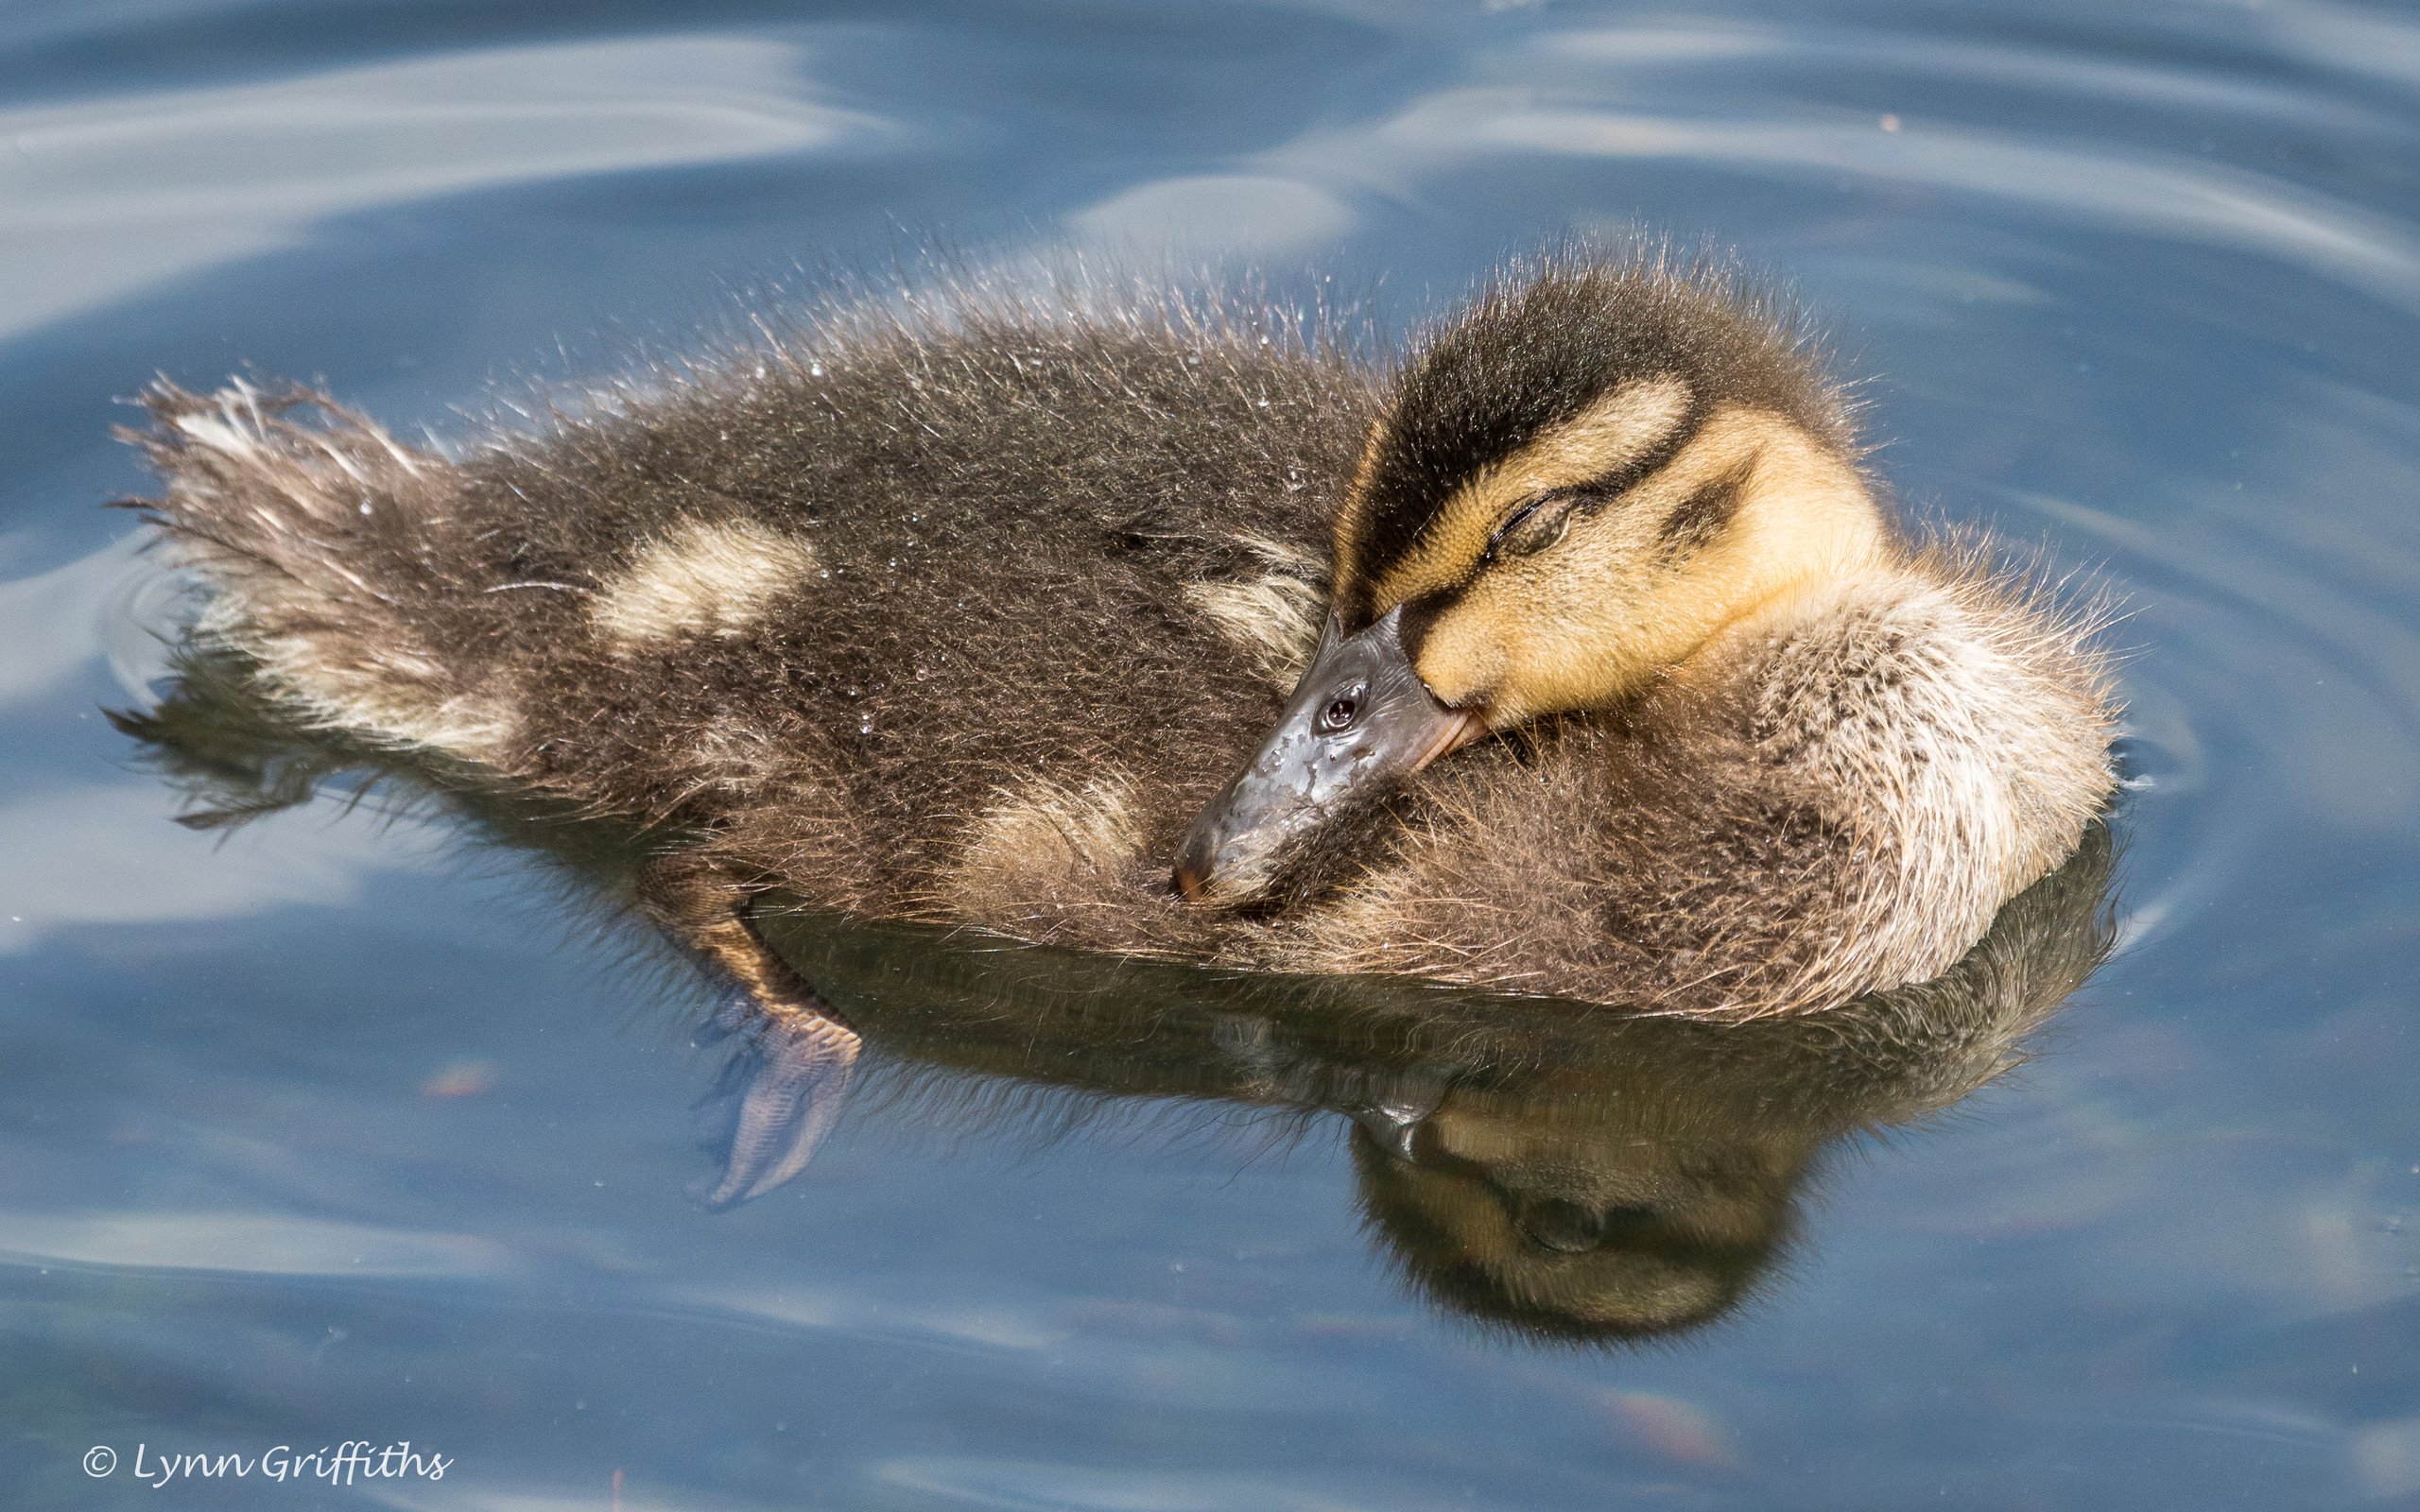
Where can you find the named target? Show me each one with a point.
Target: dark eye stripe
(1701, 517)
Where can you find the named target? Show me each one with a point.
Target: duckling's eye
(1571, 1229)
(1341, 710)
(1536, 525)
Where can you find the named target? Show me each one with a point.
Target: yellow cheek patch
(1609, 435)
(1580, 624)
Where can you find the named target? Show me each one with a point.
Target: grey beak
(1358, 721)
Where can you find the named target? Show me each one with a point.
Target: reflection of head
(1579, 1229)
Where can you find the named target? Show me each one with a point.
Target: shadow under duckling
(1610, 679)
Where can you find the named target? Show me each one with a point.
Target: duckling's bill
(1359, 720)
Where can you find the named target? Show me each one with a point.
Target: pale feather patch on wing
(703, 579)
(389, 695)
(1272, 619)
(1041, 841)
(1280, 554)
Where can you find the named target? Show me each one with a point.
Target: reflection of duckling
(963, 616)
(1524, 1161)
(1570, 1175)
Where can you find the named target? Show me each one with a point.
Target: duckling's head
(1575, 485)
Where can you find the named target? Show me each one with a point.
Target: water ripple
(110, 196)
(248, 1244)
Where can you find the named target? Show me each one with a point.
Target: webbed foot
(790, 1073)
(789, 1078)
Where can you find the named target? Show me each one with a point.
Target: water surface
(350, 1127)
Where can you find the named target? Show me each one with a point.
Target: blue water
(358, 1127)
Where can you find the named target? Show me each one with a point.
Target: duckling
(1572, 655)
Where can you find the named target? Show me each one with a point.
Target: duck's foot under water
(786, 1083)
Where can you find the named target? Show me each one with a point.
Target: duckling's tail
(314, 528)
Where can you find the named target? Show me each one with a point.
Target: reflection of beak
(1305, 774)
(1393, 1123)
